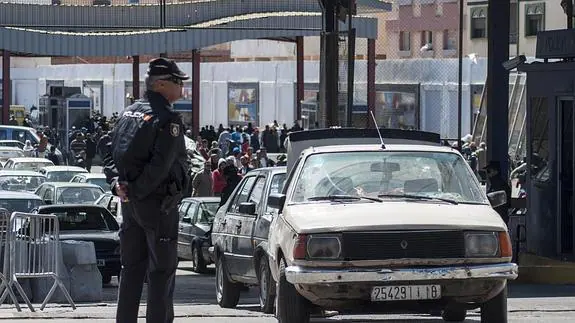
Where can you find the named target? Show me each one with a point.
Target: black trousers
(148, 240)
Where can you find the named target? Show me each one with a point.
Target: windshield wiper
(343, 197)
(419, 197)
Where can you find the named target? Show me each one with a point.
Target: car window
(105, 201)
(257, 192)
(72, 195)
(21, 182)
(276, 187)
(242, 194)
(207, 212)
(20, 205)
(81, 220)
(191, 212)
(60, 176)
(49, 194)
(183, 208)
(3, 135)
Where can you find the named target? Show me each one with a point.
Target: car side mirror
(497, 198)
(48, 202)
(277, 201)
(187, 220)
(247, 208)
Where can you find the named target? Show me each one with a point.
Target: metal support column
(6, 88)
(329, 66)
(196, 65)
(370, 81)
(350, 71)
(460, 75)
(299, 76)
(498, 83)
(136, 77)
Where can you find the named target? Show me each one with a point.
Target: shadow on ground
(538, 291)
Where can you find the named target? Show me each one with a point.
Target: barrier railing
(34, 252)
(5, 248)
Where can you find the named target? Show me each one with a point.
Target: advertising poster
(243, 103)
(396, 110)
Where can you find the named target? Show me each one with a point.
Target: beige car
(388, 228)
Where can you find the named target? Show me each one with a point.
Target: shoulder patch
(175, 129)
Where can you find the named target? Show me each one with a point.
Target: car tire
(266, 284)
(291, 306)
(454, 314)
(495, 309)
(198, 263)
(106, 279)
(227, 293)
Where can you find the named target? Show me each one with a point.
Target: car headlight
(323, 247)
(481, 244)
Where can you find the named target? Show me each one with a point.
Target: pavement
(194, 301)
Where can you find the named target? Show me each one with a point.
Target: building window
(404, 41)
(449, 39)
(426, 38)
(101, 2)
(534, 18)
(478, 22)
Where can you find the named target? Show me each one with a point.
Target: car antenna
(378, 132)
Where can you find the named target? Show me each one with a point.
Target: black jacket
(148, 150)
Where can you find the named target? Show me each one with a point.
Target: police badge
(175, 129)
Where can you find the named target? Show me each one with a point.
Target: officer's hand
(122, 191)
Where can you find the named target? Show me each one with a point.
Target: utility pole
(568, 9)
(329, 65)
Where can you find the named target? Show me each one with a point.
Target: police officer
(148, 169)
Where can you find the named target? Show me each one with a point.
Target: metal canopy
(56, 43)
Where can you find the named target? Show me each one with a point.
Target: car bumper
(309, 275)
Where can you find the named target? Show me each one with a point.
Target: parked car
(12, 143)
(61, 173)
(92, 223)
(20, 180)
(69, 193)
(194, 235)
(240, 237)
(387, 227)
(9, 133)
(92, 178)
(27, 163)
(10, 152)
(19, 201)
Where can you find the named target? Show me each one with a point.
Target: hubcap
(195, 258)
(263, 285)
(219, 281)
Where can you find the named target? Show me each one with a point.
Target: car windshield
(61, 175)
(208, 212)
(21, 183)
(33, 166)
(19, 205)
(81, 220)
(377, 175)
(100, 182)
(78, 195)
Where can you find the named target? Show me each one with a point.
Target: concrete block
(85, 283)
(41, 286)
(78, 252)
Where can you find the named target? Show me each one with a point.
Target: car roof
(92, 175)
(70, 206)
(70, 184)
(30, 159)
(203, 199)
(18, 195)
(11, 140)
(17, 127)
(17, 172)
(10, 148)
(365, 148)
(63, 168)
(272, 170)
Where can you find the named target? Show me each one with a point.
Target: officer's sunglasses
(174, 80)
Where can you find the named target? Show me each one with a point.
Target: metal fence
(32, 250)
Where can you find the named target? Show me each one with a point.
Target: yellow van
(19, 112)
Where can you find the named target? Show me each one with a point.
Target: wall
(437, 80)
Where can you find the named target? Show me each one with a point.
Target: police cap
(165, 67)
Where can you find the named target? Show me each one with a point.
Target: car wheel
(106, 279)
(227, 293)
(266, 286)
(495, 309)
(198, 263)
(291, 306)
(454, 314)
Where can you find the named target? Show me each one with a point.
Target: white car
(369, 228)
(61, 173)
(92, 178)
(28, 163)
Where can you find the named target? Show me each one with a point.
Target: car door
(186, 227)
(233, 229)
(48, 196)
(182, 209)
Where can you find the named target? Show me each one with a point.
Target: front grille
(381, 245)
(105, 246)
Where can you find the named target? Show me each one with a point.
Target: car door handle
(224, 222)
(239, 225)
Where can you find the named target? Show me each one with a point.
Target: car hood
(89, 235)
(390, 215)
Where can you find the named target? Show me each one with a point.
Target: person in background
(232, 180)
(246, 167)
(264, 161)
(496, 182)
(282, 160)
(218, 179)
(81, 159)
(28, 149)
(52, 156)
(90, 151)
(202, 183)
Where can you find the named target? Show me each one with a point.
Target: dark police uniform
(148, 153)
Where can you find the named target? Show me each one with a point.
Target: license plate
(101, 262)
(404, 293)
